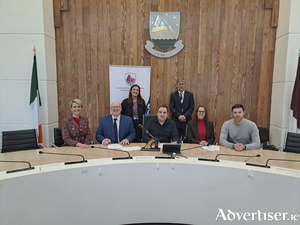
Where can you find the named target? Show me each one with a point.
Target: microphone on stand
(18, 170)
(153, 141)
(251, 156)
(288, 160)
(198, 146)
(129, 157)
(216, 158)
(66, 163)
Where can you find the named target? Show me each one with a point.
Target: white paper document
(131, 148)
(114, 146)
(211, 148)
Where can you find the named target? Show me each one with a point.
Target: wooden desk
(37, 159)
(144, 189)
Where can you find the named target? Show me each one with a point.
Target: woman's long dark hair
(139, 97)
(196, 117)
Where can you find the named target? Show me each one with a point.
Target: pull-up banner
(121, 78)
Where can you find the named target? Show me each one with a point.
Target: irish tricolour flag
(35, 101)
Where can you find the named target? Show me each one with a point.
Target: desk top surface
(192, 150)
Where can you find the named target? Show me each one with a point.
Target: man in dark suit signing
(115, 128)
(181, 106)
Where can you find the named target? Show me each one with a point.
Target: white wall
(285, 66)
(23, 26)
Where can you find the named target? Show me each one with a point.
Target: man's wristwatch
(244, 147)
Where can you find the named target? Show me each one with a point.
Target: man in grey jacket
(239, 133)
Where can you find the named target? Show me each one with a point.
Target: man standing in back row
(181, 106)
(239, 133)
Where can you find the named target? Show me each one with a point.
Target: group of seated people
(122, 125)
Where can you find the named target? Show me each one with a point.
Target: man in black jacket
(181, 106)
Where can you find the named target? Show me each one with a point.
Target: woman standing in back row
(134, 106)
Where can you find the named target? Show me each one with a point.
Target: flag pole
(35, 99)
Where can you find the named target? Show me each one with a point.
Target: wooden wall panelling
(236, 51)
(273, 5)
(153, 85)
(198, 76)
(125, 36)
(57, 13)
(173, 61)
(154, 5)
(251, 92)
(60, 70)
(242, 12)
(228, 53)
(104, 58)
(140, 9)
(275, 14)
(162, 76)
(146, 34)
(189, 46)
(212, 106)
(224, 79)
(134, 33)
(206, 55)
(234, 91)
(58, 6)
(269, 4)
(64, 4)
(102, 55)
(264, 103)
(259, 61)
(66, 78)
(92, 78)
(84, 59)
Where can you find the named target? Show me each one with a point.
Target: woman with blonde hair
(75, 129)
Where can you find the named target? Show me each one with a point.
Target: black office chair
(19, 140)
(264, 139)
(58, 140)
(184, 140)
(146, 118)
(292, 143)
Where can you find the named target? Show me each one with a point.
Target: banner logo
(164, 31)
(130, 78)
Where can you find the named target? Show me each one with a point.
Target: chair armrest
(53, 145)
(41, 144)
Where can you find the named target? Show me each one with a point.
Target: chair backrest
(146, 118)
(292, 143)
(19, 140)
(58, 140)
(184, 140)
(263, 134)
